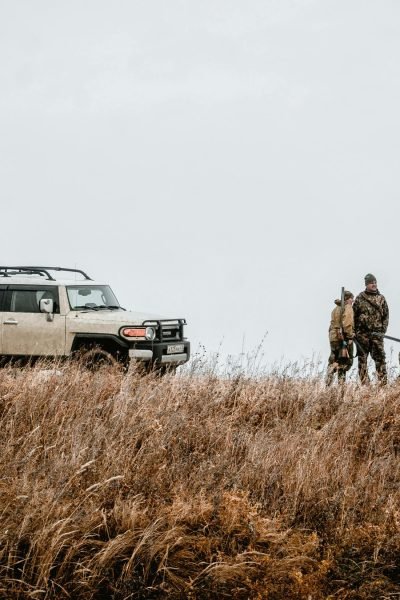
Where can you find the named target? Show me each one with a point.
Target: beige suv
(43, 316)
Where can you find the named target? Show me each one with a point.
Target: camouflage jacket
(371, 313)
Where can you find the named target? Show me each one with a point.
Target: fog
(232, 163)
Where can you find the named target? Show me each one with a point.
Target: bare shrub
(196, 486)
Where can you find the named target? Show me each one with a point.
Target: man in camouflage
(341, 333)
(371, 315)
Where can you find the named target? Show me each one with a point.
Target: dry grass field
(197, 486)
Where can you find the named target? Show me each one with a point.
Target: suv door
(27, 331)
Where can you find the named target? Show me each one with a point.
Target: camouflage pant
(337, 364)
(375, 347)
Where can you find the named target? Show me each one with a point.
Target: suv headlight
(150, 333)
(146, 333)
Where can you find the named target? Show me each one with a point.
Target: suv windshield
(91, 297)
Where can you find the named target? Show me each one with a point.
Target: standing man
(341, 333)
(371, 314)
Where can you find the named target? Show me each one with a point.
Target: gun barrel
(388, 337)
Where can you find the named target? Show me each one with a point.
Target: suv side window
(2, 293)
(25, 299)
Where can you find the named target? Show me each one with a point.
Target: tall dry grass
(197, 486)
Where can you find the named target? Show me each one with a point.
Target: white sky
(232, 162)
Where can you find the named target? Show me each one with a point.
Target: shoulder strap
(376, 306)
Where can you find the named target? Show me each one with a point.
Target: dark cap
(369, 278)
(348, 295)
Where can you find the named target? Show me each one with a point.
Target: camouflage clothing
(341, 321)
(374, 346)
(338, 364)
(371, 314)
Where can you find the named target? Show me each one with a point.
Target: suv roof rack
(42, 271)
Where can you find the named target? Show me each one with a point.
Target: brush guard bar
(159, 324)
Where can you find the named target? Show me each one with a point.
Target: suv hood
(126, 317)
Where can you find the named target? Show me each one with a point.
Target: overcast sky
(232, 162)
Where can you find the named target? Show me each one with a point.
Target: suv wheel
(95, 358)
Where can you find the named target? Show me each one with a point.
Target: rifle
(388, 337)
(377, 334)
(343, 352)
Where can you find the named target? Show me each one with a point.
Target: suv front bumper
(157, 352)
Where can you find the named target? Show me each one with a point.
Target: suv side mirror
(46, 305)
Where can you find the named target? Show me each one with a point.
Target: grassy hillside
(196, 486)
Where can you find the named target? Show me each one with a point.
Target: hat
(369, 278)
(348, 295)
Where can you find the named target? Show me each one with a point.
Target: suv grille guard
(160, 322)
(42, 271)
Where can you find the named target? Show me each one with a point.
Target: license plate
(175, 349)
